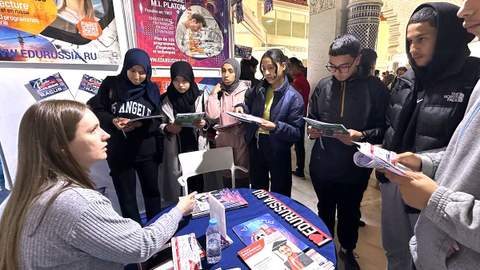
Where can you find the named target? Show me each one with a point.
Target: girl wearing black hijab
(183, 96)
(134, 147)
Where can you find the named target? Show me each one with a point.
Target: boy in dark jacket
(426, 105)
(359, 103)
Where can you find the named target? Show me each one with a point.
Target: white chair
(205, 161)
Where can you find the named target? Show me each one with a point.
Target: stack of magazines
(230, 198)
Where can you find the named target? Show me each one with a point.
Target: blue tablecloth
(255, 208)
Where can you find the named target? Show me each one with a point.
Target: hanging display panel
(173, 30)
(59, 32)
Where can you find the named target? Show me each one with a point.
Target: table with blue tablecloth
(256, 208)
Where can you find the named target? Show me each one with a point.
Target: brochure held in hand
(247, 118)
(187, 119)
(327, 129)
(371, 156)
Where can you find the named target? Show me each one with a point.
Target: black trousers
(263, 161)
(300, 152)
(124, 180)
(343, 198)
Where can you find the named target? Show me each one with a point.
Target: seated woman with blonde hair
(54, 218)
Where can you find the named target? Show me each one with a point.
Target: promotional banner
(59, 31)
(204, 84)
(173, 30)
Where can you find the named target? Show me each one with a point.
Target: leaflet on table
(217, 211)
(371, 156)
(248, 118)
(187, 119)
(328, 129)
(186, 252)
(231, 199)
(146, 117)
(257, 228)
(274, 251)
(319, 260)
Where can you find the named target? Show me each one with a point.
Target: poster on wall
(204, 84)
(189, 30)
(59, 32)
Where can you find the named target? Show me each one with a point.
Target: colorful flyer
(49, 86)
(89, 84)
(257, 228)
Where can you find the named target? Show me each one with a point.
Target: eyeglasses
(343, 68)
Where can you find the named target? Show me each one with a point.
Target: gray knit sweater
(81, 230)
(447, 234)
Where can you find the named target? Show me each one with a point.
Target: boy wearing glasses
(427, 104)
(358, 102)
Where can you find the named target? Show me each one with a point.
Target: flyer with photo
(276, 252)
(259, 227)
(187, 119)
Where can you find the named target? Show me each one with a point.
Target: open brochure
(247, 118)
(371, 156)
(187, 119)
(328, 129)
(274, 251)
(146, 117)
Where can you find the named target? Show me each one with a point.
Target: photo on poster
(60, 32)
(198, 34)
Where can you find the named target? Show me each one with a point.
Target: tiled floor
(369, 248)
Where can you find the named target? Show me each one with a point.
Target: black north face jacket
(428, 103)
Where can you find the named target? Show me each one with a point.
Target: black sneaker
(348, 259)
(298, 173)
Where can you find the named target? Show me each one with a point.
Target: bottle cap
(212, 221)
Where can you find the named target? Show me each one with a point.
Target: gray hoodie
(447, 234)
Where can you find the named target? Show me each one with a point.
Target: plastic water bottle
(214, 242)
